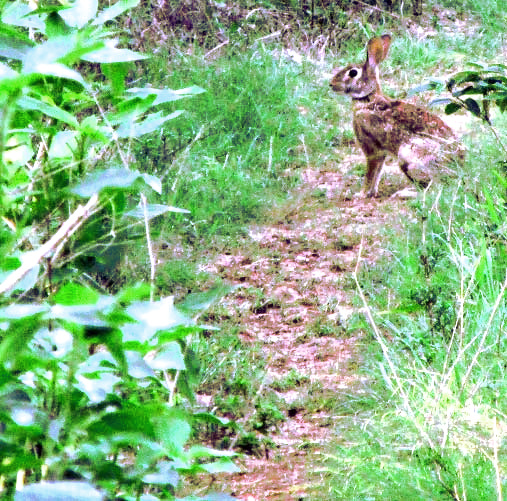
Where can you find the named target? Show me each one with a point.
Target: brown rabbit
(424, 145)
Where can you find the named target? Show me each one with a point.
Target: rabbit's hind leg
(419, 159)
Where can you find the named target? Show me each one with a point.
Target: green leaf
(136, 292)
(59, 491)
(20, 13)
(151, 123)
(129, 420)
(73, 294)
(97, 388)
(80, 12)
(115, 10)
(14, 45)
(18, 336)
(467, 76)
(452, 107)
(154, 210)
(169, 357)
(116, 72)
(18, 311)
(29, 103)
(87, 315)
(440, 101)
(164, 474)
(199, 301)
(166, 95)
(173, 430)
(112, 178)
(473, 107)
(63, 145)
(222, 466)
(159, 315)
(137, 366)
(110, 54)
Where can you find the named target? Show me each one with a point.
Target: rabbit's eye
(353, 73)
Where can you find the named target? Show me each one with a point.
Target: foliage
(92, 385)
(487, 82)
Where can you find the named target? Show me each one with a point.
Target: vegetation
(112, 196)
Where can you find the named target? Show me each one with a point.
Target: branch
(53, 245)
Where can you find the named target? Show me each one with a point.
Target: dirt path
(303, 265)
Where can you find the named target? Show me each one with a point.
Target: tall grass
(435, 428)
(235, 149)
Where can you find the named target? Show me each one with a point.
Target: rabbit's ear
(377, 49)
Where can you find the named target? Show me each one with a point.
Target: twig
(149, 243)
(218, 47)
(378, 8)
(53, 245)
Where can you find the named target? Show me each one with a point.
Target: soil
(304, 264)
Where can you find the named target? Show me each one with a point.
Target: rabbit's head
(361, 80)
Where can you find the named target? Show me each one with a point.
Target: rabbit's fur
(425, 146)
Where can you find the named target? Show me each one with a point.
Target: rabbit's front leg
(374, 163)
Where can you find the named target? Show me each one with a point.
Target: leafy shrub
(94, 388)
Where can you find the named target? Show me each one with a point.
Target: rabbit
(425, 146)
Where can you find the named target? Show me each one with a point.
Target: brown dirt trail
(304, 267)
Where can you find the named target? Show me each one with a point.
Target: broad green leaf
(131, 419)
(199, 301)
(221, 466)
(151, 123)
(452, 107)
(153, 182)
(169, 357)
(75, 294)
(63, 145)
(207, 417)
(29, 103)
(116, 72)
(80, 12)
(111, 178)
(173, 429)
(159, 315)
(87, 315)
(19, 334)
(137, 366)
(7, 72)
(97, 388)
(200, 451)
(18, 311)
(13, 45)
(19, 13)
(473, 106)
(136, 292)
(154, 210)
(166, 95)
(59, 491)
(111, 54)
(164, 474)
(440, 101)
(115, 10)
(56, 70)
(18, 150)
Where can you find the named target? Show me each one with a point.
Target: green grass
(234, 151)
(428, 423)
(433, 429)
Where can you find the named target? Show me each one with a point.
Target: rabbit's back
(424, 145)
(388, 124)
